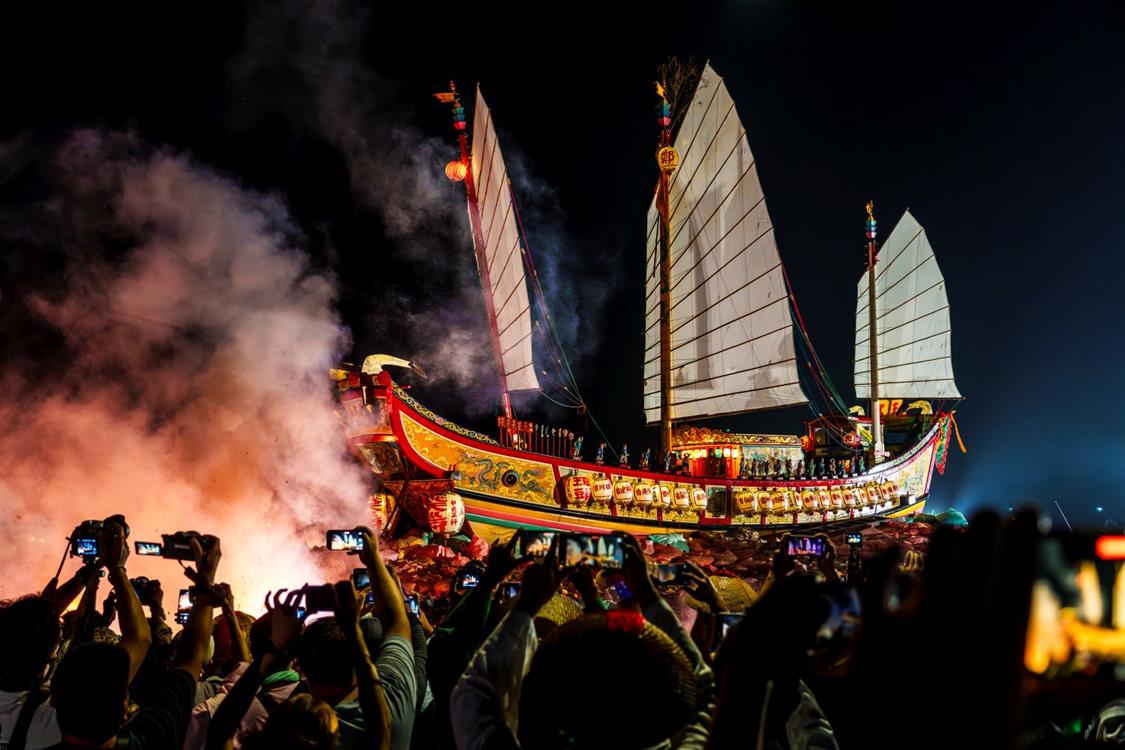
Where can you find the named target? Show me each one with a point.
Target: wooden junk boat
(723, 336)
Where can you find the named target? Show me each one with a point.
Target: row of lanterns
(759, 500)
(580, 490)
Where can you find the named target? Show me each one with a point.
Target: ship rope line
(563, 379)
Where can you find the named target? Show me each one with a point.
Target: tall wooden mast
(872, 317)
(667, 159)
(463, 170)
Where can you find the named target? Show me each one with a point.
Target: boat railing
(527, 436)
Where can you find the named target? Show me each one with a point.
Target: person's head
(326, 660)
(29, 635)
(581, 658)
(300, 723)
(226, 656)
(90, 691)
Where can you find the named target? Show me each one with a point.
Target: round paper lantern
(745, 501)
(837, 498)
(888, 491)
(623, 492)
(456, 171)
(665, 495)
(699, 497)
(681, 496)
(825, 499)
(808, 499)
(577, 489)
(763, 498)
(851, 497)
(380, 504)
(779, 502)
(873, 494)
(446, 513)
(642, 494)
(601, 489)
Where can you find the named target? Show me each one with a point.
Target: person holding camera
(90, 689)
(517, 692)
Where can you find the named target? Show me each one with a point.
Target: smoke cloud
(318, 53)
(185, 383)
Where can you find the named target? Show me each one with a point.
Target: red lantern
(446, 513)
(577, 489)
(380, 504)
(456, 171)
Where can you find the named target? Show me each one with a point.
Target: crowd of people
(537, 655)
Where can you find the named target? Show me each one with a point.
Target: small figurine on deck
(576, 449)
(600, 459)
(668, 462)
(801, 468)
(685, 465)
(646, 459)
(833, 471)
(820, 472)
(788, 468)
(862, 464)
(744, 469)
(846, 466)
(624, 459)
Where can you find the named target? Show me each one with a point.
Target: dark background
(1002, 130)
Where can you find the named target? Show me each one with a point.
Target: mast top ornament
(871, 220)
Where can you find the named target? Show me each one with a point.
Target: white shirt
(44, 729)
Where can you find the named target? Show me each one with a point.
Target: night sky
(1002, 132)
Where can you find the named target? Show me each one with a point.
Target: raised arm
(285, 630)
(197, 631)
(230, 617)
(136, 637)
(372, 696)
(389, 606)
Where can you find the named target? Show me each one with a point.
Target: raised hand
(115, 549)
(369, 555)
(285, 626)
(636, 573)
(540, 582)
(500, 563)
(701, 587)
(207, 553)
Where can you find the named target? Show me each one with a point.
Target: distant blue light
(1098, 509)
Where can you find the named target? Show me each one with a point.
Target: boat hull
(510, 488)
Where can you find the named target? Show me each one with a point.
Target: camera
(854, 539)
(86, 539)
(146, 588)
(182, 616)
(361, 578)
(177, 546)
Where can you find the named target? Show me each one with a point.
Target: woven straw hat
(735, 595)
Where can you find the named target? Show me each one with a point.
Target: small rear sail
(912, 321)
(732, 328)
(498, 245)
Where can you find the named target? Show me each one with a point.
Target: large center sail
(912, 320)
(732, 328)
(500, 256)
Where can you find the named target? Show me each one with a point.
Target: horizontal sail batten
(503, 254)
(912, 320)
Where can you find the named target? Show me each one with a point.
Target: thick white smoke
(191, 389)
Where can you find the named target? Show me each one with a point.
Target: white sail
(912, 320)
(503, 253)
(732, 329)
